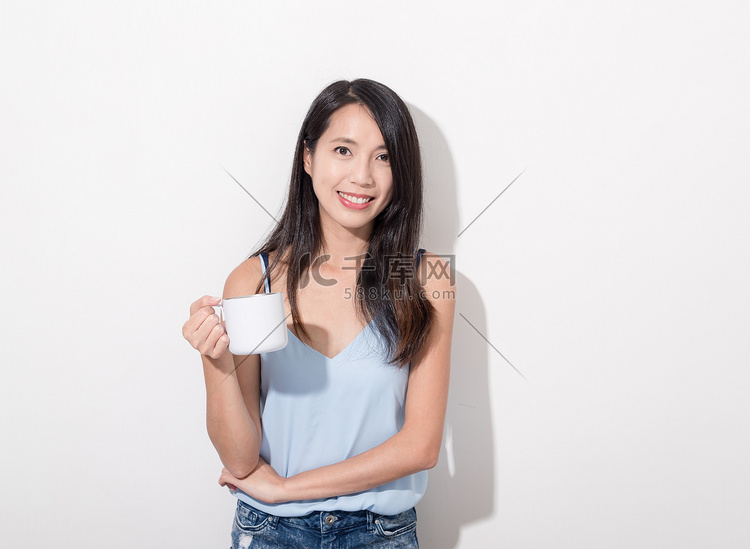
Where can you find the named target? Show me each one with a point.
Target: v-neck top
(317, 411)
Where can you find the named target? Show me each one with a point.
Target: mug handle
(219, 310)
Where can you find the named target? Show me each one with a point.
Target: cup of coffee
(255, 323)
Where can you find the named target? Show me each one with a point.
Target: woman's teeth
(354, 199)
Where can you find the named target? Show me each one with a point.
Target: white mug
(255, 323)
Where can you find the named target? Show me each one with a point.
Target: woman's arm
(232, 382)
(414, 448)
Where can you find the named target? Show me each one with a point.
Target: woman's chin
(353, 222)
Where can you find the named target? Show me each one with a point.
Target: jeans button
(330, 519)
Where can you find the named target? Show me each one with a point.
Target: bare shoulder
(438, 278)
(244, 279)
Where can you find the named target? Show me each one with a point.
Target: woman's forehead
(351, 124)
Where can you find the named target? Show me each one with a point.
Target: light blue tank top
(318, 411)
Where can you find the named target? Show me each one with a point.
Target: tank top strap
(264, 266)
(420, 251)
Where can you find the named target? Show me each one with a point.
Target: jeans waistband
(326, 521)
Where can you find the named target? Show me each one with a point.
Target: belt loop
(371, 517)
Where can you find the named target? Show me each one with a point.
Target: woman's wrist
(223, 363)
(284, 491)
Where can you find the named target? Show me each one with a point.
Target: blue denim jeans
(323, 530)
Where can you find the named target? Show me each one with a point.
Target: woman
(321, 441)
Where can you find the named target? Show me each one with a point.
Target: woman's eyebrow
(350, 141)
(347, 140)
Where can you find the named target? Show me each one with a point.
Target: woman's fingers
(210, 319)
(225, 478)
(197, 316)
(214, 344)
(204, 330)
(195, 328)
(221, 346)
(205, 301)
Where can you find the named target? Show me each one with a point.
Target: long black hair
(396, 304)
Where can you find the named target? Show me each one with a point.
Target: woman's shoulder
(244, 279)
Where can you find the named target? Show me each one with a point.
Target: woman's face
(351, 171)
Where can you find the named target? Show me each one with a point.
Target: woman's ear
(307, 159)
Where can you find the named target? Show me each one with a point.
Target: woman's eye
(342, 150)
(384, 157)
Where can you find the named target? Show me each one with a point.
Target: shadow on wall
(461, 486)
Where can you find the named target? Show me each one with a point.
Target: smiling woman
(331, 436)
(350, 167)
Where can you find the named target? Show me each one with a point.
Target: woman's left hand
(263, 484)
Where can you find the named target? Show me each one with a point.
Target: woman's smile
(355, 201)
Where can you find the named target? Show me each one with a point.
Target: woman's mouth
(354, 202)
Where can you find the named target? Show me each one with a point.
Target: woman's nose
(362, 172)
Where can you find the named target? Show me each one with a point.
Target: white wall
(612, 274)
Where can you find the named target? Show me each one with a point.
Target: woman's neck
(345, 247)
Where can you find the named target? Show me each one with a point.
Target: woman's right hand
(204, 330)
